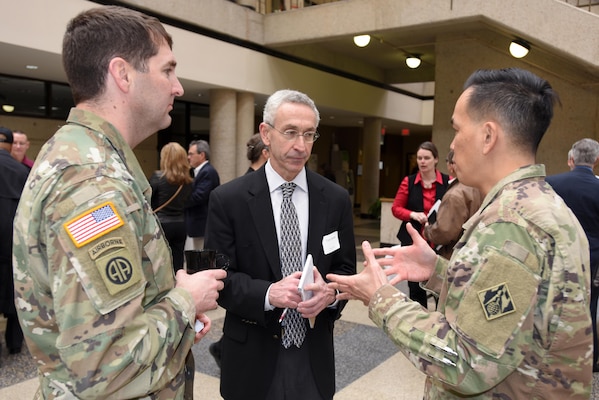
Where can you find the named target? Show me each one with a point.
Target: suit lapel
(317, 217)
(260, 207)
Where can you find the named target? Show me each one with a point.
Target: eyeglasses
(292, 134)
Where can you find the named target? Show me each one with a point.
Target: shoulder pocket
(102, 249)
(497, 300)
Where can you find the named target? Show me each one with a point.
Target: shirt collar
(199, 167)
(275, 180)
(438, 178)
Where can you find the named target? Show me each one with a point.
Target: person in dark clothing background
(580, 190)
(13, 175)
(257, 153)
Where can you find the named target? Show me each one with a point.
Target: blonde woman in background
(171, 187)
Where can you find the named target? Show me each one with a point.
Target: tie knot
(288, 188)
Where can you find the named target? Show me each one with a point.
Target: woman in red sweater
(414, 199)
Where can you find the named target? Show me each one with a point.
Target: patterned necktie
(291, 261)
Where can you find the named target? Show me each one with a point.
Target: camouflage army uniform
(93, 275)
(513, 319)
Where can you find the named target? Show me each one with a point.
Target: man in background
(96, 295)
(580, 190)
(205, 180)
(12, 179)
(20, 147)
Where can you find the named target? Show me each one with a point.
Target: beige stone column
(245, 129)
(370, 163)
(223, 138)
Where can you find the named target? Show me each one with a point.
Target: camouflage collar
(104, 128)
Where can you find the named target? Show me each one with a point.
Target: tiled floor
(368, 364)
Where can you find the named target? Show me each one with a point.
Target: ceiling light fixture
(519, 48)
(8, 108)
(362, 40)
(413, 62)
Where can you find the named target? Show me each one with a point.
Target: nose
(178, 88)
(300, 143)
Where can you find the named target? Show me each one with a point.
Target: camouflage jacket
(93, 273)
(513, 320)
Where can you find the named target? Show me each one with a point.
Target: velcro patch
(496, 301)
(93, 224)
(117, 271)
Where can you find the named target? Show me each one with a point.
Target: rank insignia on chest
(93, 224)
(496, 301)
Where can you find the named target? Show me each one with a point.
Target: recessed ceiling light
(362, 40)
(31, 66)
(8, 108)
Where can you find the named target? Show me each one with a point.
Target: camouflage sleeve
(435, 282)
(483, 328)
(121, 325)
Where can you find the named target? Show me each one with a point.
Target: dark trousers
(293, 379)
(418, 294)
(594, 299)
(13, 334)
(174, 231)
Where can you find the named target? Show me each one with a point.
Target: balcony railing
(270, 6)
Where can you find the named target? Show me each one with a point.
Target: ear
(490, 136)
(264, 133)
(119, 71)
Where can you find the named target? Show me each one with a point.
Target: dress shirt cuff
(334, 304)
(267, 305)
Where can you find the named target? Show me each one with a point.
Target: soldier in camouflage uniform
(513, 319)
(95, 290)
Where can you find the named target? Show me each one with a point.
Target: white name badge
(330, 242)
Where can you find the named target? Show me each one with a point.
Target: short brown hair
(96, 36)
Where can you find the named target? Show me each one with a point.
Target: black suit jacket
(13, 175)
(580, 190)
(196, 211)
(241, 225)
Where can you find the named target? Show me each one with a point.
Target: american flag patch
(93, 223)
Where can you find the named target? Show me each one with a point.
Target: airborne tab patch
(93, 224)
(496, 301)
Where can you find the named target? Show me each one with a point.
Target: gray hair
(585, 152)
(202, 146)
(281, 97)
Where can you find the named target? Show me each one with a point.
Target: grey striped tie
(291, 261)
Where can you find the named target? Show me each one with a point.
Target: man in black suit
(580, 190)
(245, 224)
(206, 179)
(13, 175)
